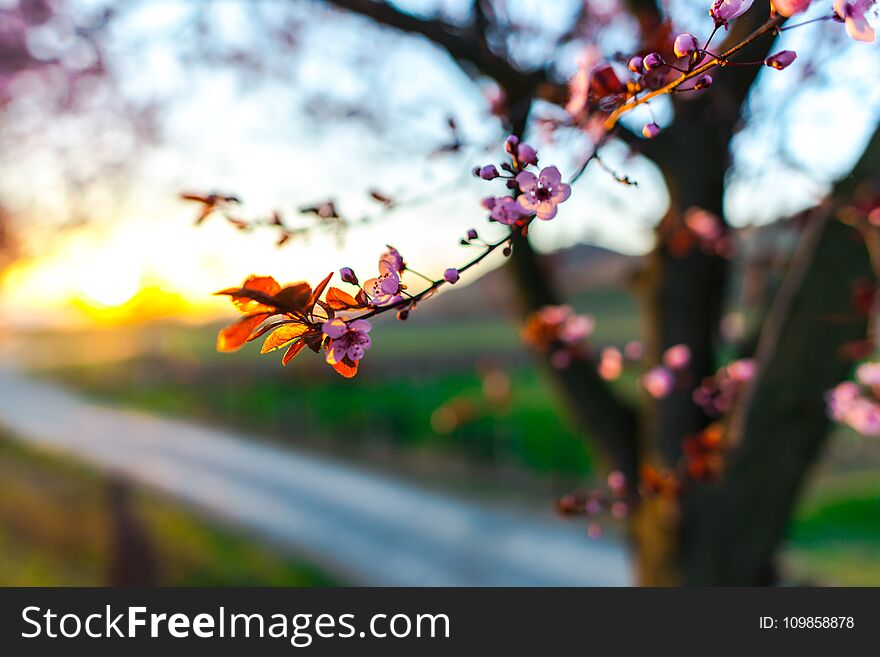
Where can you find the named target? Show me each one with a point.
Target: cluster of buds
(857, 403)
(613, 500)
(717, 394)
(559, 331)
(599, 90)
(662, 379)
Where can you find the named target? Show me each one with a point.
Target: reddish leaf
(318, 291)
(340, 300)
(282, 336)
(293, 297)
(235, 335)
(347, 368)
(255, 294)
(295, 348)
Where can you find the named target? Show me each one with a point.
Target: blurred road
(368, 527)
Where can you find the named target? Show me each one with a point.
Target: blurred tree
(725, 532)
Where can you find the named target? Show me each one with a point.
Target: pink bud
(451, 275)
(781, 60)
(726, 10)
(650, 130)
(635, 64)
(703, 82)
(488, 172)
(348, 275)
(526, 154)
(685, 45)
(789, 8)
(511, 143)
(652, 61)
(489, 202)
(658, 382)
(677, 357)
(472, 234)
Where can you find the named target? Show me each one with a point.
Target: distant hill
(579, 269)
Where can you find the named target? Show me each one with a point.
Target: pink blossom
(790, 7)
(742, 370)
(541, 194)
(685, 45)
(677, 357)
(347, 339)
(868, 374)
(451, 275)
(650, 130)
(576, 328)
(726, 10)
(394, 259)
(505, 210)
(853, 13)
(863, 415)
(610, 364)
(781, 60)
(658, 381)
(841, 398)
(616, 481)
(526, 154)
(385, 289)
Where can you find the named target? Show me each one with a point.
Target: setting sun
(108, 282)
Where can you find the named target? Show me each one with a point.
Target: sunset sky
(259, 138)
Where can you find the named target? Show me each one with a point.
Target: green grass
(56, 529)
(836, 535)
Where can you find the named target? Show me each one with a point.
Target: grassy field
(56, 529)
(426, 391)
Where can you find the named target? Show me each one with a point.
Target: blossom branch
(770, 26)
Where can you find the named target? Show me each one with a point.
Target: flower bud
(652, 61)
(511, 143)
(488, 172)
(703, 82)
(472, 234)
(635, 64)
(650, 130)
(526, 154)
(488, 202)
(781, 60)
(451, 275)
(403, 315)
(348, 275)
(685, 45)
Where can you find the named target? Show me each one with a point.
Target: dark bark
(735, 529)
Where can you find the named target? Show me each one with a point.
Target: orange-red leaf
(235, 335)
(253, 295)
(318, 291)
(282, 335)
(294, 297)
(295, 348)
(340, 300)
(346, 368)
